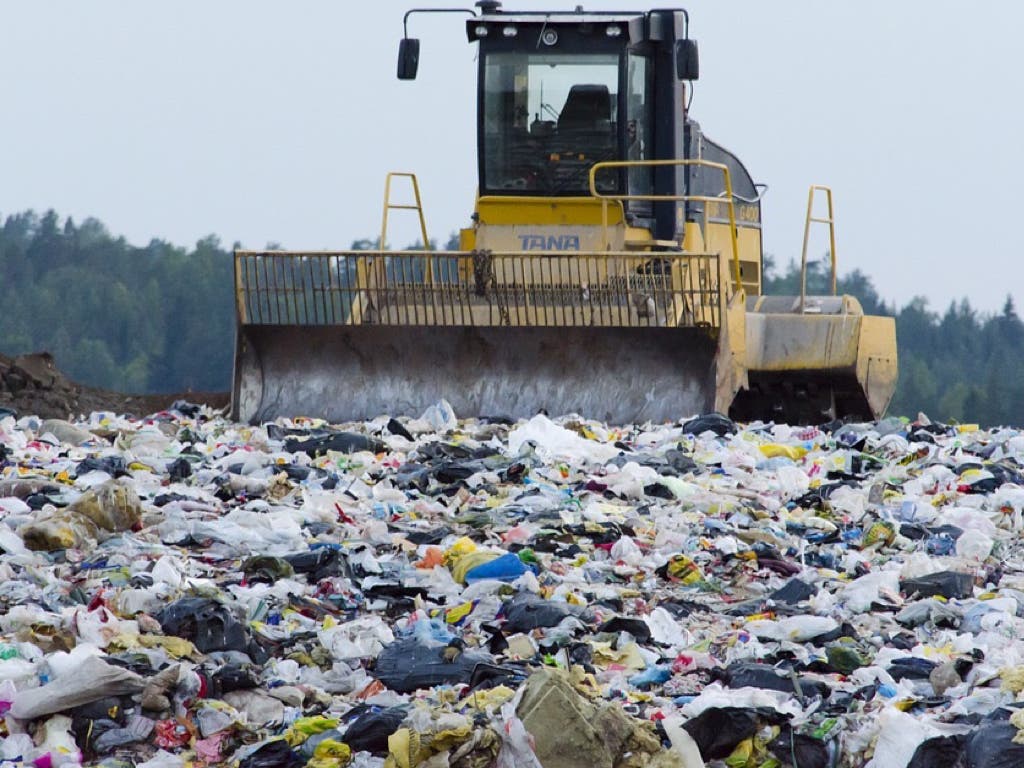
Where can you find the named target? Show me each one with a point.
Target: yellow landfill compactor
(613, 267)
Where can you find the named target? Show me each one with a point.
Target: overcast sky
(265, 121)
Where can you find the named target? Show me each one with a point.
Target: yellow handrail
(688, 198)
(418, 207)
(831, 221)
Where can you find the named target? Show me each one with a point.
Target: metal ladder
(831, 221)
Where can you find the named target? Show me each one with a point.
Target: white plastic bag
(516, 742)
(558, 442)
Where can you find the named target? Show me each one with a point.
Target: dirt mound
(32, 384)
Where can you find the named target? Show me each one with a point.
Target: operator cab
(558, 93)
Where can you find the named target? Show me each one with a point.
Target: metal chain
(486, 282)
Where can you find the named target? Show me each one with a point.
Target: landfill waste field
(183, 590)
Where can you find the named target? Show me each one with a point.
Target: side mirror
(408, 58)
(687, 59)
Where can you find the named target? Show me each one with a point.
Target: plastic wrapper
(113, 506)
(93, 679)
(59, 530)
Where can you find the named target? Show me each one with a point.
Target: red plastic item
(171, 734)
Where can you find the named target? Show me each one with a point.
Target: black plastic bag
(793, 591)
(526, 611)
(718, 730)
(179, 469)
(319, 564)
(369, 731)
(295, 472)
(945, 751)
(991, 746)
(232, 677)
(636, 627)
(453, 471)
(911, 666)
(408, 665)
(186, 409)
(658, 491)
(433, 535)
(412, 475)
(949, 584)
(713, 422)
(267, 569)
(800, 751)
(114, 466)
(395, 428)
(486, 676)
(208, 624)
(273, 754)
(342, 442)
(743, 674)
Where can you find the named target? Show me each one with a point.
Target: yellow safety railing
(605, 198)
(389, 206)
(831, 221)
(553, 289)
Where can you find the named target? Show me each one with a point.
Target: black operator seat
(585, 132)
(588, 108)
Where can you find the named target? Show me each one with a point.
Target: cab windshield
(547, 118)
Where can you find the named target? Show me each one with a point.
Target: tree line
(157, 318)
(160, 318)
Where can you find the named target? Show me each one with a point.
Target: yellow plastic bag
(773, 450)
(305, 727)
(681, 568)
(330, 753)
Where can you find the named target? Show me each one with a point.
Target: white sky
(268, 121)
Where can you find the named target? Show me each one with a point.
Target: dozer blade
(342, 373)
(827, 361)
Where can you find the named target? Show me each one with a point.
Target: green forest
(160, 318)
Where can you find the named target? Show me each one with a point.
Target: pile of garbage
(182, 590)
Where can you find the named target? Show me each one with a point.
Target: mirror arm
(405, 19)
